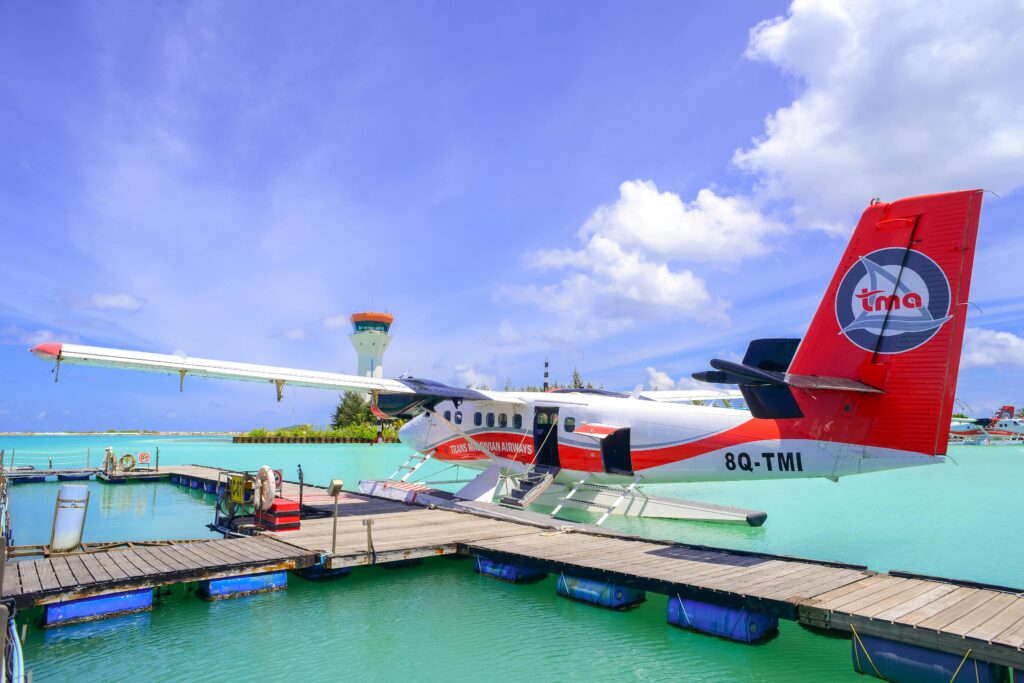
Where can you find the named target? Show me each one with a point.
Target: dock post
(334, 489)
(50, 460)
(12, 457)
(87, 457)
(157, 458)
(5, 616)
(302, 481)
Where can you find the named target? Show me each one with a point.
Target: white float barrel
(69, 517)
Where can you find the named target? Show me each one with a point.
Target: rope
(957, 672)
(868, 655)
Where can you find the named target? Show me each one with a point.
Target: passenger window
(490, 419)
(517, 421)
(448, 415)
(478, 419)
(503, 420)
(458, 417)
(570, 424)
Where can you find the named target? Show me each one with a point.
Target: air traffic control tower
(370, 339)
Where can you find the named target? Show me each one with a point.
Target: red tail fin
(893, 317)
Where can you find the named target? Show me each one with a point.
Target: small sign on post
(144, 458)
(236, 488)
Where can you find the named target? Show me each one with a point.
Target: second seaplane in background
(870, 387)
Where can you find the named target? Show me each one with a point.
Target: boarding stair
(628, 491)
(530, 486)
(410, 466)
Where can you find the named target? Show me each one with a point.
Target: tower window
(478, 419)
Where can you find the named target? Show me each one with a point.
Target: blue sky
(628, 189)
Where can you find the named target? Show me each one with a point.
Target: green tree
(577, 380)
(1020, 412)
(352, 409)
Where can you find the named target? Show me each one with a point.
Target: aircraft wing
(692, 395)
(392, 396)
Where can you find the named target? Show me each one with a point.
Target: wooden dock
(945, 615)
(70, 577)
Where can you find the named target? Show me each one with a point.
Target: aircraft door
(545, 437)
(615, 452)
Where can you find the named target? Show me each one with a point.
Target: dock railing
(14, 661)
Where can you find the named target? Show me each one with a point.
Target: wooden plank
(198, 554)
(81, 572)
(1000, 622)
(954, 612)
(155, 558)
(840, 578)
(110, 566)
(144, 564)
(900, 598)
(47, 578)
(95, 568)
(931, 609)
(1013, 636)
(979, 616)
(173, 556)
(915, 603)
(63, 572)
(839, 604)
(885, 592)
(819, 600)
(28, 578)
(126, 562)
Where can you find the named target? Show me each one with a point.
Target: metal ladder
(419, 458)
(608, 509)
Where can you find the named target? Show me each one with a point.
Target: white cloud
(295, 334)
(983, 348)
(41, 414)
(896, 99)
(336, 322)
(627, 259)
(661, 381)
(711, 228)
(469, 376)
(118, 301)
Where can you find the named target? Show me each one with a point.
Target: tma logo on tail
(892, 300)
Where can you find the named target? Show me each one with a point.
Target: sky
(629, 189)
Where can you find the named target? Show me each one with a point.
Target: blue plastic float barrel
(235, 586)
(904, 663)
(99, 607)
(739, 624)
(600, 593)
(210, 486)
(506, 571)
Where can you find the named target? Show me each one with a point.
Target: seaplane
(870, 387)
(1002, 429)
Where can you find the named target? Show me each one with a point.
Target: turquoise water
(442, 621)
